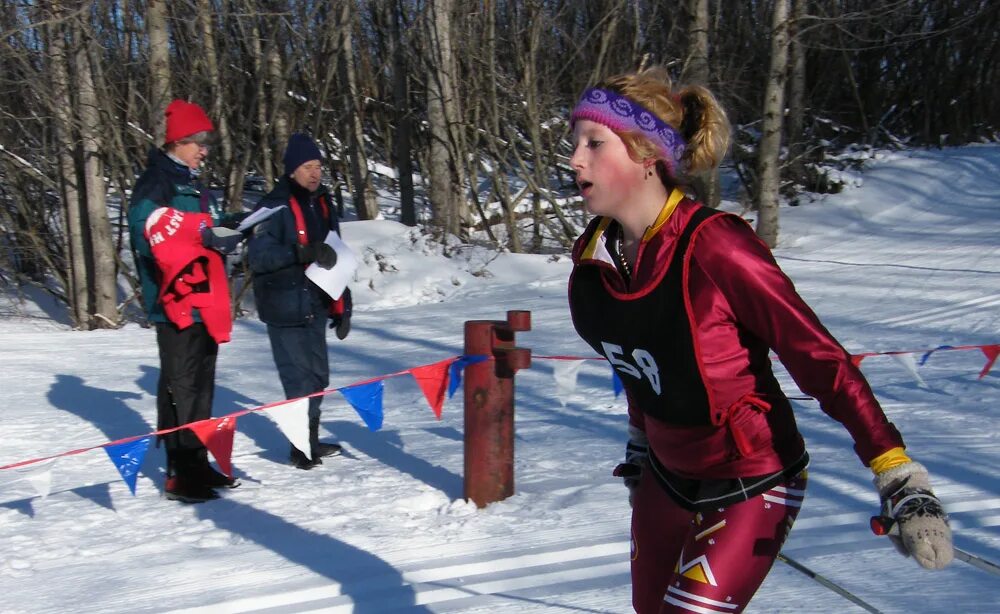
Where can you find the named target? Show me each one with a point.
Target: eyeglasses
(204, 146)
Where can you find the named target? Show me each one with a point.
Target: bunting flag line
(616, 382)
(455, 371)
(217, 435)
(927, 354)
(433, 381)
(903, 357)
(38, 476)
(127, 458)
(366, 399)
(991, 352)
(41, 480)
(565, 373)
(910, 364)
(293, 422)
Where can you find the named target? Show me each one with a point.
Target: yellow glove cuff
(887, 460)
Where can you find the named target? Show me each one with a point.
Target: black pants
(187, 384)
(302, 362)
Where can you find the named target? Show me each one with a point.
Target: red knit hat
(184, 119)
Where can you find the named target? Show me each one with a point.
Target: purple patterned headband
(624, 115)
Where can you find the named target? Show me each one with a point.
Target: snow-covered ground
(910, 260)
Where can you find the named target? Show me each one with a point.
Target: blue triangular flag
(616, 383)
(455, 371)
(366, 399)
(127, 458)
(928, 353)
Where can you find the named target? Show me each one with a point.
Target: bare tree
(364, 200)
(159, 65)
(402, 114)
(797, 92)
(218, 106)
(62, 106)
(445, 169)
(696, 72)
(769, 152)
(102, 286)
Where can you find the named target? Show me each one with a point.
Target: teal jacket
(164, 183)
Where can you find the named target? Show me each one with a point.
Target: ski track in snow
(384, 529)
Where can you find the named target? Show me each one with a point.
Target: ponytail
(705, 127)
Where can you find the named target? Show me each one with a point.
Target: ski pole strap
(905, 501)
(902, 503)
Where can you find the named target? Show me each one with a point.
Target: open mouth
(585, 187)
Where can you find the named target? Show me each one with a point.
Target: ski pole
(977, 561)
(843, 592)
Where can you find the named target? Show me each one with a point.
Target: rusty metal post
(489, 406)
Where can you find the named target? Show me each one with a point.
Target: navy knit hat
(301, 149)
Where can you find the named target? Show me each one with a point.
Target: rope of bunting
(434, 379)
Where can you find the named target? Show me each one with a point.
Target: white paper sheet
(333, 281)
(257, 217)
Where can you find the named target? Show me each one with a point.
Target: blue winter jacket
(284, 295)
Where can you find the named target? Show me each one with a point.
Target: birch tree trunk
(62, 106)
(696, 72)
(159, 66)
(498, 176)
(530, 87)
(445, 172)
(234, 188)
(101, 257)
(364, 201)
(276, 75)
(404, 125)
(797, 93)
(769, 150)
(264, 144)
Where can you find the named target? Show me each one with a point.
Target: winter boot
(182, 483)
(209, 476)
(205, 473)
(186, 491)
(301, 461)
(320, 449)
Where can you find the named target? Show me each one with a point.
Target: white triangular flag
(38, 475)
(293, 420)
(910, 364)
(565, 372)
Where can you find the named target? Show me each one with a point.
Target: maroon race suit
(689, 333)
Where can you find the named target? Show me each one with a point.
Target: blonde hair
(691, 110)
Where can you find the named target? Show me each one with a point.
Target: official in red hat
(187, 346)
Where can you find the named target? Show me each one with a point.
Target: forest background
(449, 115)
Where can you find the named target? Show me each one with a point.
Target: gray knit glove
(636, 452)
(912, 516)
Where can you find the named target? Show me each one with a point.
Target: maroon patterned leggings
(711, 561)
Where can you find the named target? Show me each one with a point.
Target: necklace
(626, 268)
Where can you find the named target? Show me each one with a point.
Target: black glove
(912, 516)
(320, 253)
(232, 220)
(636, 452)
(341, 322)
(222, 240)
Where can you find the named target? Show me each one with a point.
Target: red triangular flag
(857, 358)
(433, 380)
(991, 351)
(217, 435)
